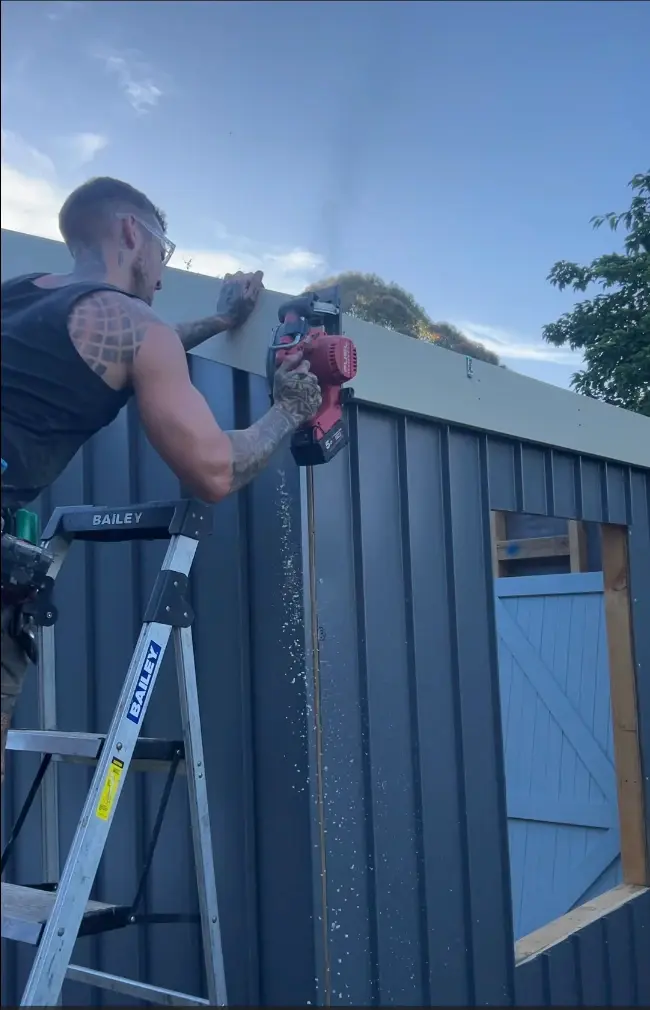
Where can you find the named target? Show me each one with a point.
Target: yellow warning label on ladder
(109, 791)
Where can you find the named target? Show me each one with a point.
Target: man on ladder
(75, 348)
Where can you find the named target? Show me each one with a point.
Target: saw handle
(272, 361)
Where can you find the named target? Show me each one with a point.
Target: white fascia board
(411, 375)
(395, 371)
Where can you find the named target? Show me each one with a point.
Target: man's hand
(296, 398)
(238, 297)
(296, 390)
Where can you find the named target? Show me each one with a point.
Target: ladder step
(25, 910)
(87, 746)
(148, 521)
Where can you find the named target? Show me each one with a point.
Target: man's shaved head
(115, 232)
(85, 217)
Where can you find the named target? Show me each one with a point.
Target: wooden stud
(533, 547)
(564, 927)
(577, 546)
(498, 533)
(624, 706)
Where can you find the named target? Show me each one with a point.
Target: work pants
(14, 668)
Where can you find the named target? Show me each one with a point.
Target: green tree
(367, 296)
(612, 329)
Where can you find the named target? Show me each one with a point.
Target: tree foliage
(612, 329)
(367, 296)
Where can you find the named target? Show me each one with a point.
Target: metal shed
(347, 662)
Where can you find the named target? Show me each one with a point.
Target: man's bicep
(176, 417)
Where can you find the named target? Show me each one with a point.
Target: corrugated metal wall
(603, 964)
(249, 661)
(395, 848)
(417, 908)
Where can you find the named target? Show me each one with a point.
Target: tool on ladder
(52, 916)
(312, 323)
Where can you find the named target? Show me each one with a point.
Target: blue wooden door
(560, 777)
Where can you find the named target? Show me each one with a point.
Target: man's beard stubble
(142, 286)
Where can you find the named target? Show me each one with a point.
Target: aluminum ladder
(52, 916)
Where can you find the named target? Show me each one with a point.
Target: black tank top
(52, 401)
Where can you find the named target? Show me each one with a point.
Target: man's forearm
(193, 334)
(253, 447)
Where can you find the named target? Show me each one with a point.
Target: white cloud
(288, 271)
(517, 348)
(30, 196)
(30, 203)
(134, 79)
(85, 146)
(18, 152)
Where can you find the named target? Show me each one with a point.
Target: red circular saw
(311, 323)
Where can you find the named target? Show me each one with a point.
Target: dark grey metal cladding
(415, 828)
(526, 478)
(413, 844)
(604, 964)
(640, 913)
(244, 648)
(564, 980)
(531, 983)
(280, 766)
(639, 558)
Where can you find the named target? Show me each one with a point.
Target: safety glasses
(167, 247)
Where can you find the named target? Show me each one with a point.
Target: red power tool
(314, 321)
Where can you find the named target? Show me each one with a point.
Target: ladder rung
(87, 746)
(25, 910)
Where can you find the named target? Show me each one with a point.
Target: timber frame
(568, 925)
(508, 552)
(628, 759)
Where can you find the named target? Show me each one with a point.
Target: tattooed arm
(180, 425)
(125, 343)
(107, 329)
(297, 397)
(193, 334)
(237, 299)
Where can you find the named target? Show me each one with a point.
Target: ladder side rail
(200, 817)
(59, 937)
(47, 718)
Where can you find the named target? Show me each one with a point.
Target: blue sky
(458, 148)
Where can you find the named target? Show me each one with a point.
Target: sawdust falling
(344, 893)
(292, 624)
(292, 629)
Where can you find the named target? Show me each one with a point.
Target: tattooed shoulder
(107, 328)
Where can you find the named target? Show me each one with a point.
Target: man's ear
(129, 233)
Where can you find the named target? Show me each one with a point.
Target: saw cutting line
(318, 727)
